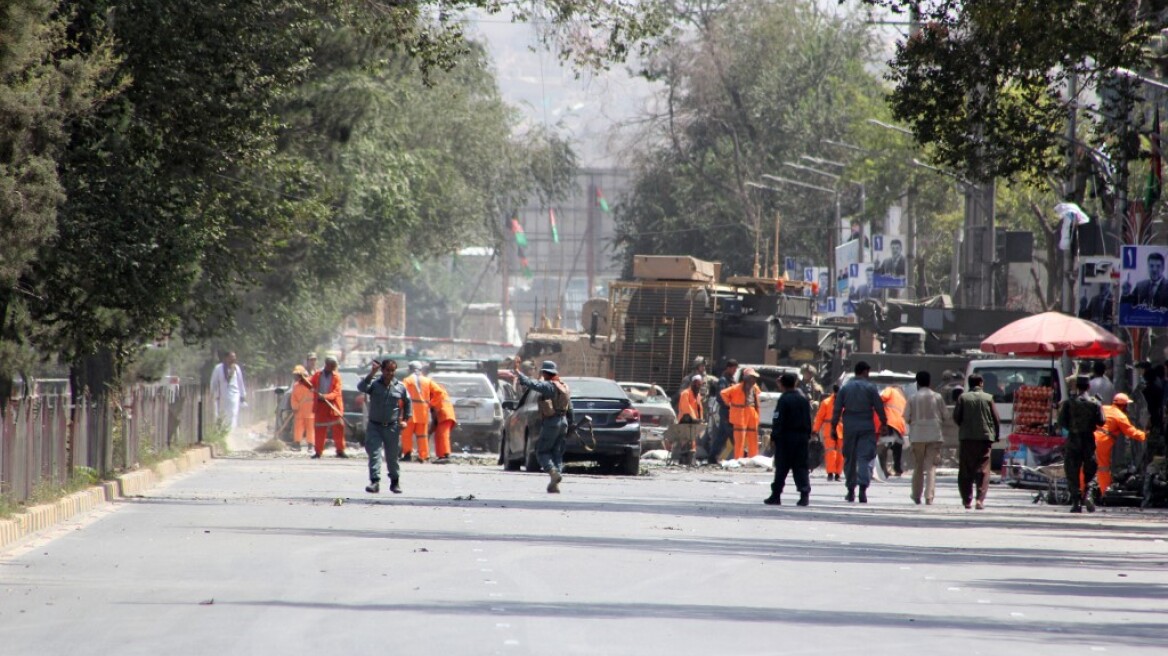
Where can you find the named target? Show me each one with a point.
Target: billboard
(1096, 290)
(1143, 294)
(891, 266)
(846, 255)
(860, 277)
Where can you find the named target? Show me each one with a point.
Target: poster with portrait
(846, 255)
(1143, 290)
(822, 292)
(860, 277)
(891, 265)
(1097, 278)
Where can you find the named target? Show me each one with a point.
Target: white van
(1004, 377)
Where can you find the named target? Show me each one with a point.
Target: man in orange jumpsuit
(420, 387)
(1116, 423)
(833, 445)
(690, 403)
(301, 401)
(743, 401)
(329, 410)
(894, 405)
(444, 421)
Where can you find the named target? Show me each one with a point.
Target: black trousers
(791, 457)
(1079, 456)
(973, 469)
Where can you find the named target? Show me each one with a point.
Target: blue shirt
(388, 404)
(545, 390)
(855, 402)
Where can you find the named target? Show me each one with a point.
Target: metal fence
(43, 437)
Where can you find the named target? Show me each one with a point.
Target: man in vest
(1116, 425)
(744, 414)
(444, 421)
(555, 411)
(420, 388)
(722, 432)
(689, 406)
(329, 410)
(859, 405)
(893, 437)
(303, 397)
(389, 413)
(833, 441)
(1080, 415)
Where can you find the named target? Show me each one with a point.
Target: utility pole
(977, 252)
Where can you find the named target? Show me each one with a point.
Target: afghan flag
(555, 232)
(517, 230)
(524, 265)
(1155, 175)
(601, 201)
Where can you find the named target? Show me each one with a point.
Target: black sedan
(613, 439)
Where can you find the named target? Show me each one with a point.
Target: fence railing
(45, 436)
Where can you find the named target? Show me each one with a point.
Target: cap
(415, 365)
(329, 359)
(299, 370)
(696, 378)
(809, 369)
(549, 367)
(749, 372)
(1121, 399)
(310, 356)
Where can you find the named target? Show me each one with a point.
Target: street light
(1130, 74)
(889, 126)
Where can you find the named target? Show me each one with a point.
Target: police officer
(791, 435)
(723, 431)
(389, 412)
(1080, 415)
(555, 411)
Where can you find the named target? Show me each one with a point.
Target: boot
(773, 500)
(1076, 504)
(851, 495)
(863, 494)
(394, 487)
(1088, 503)
(405, 458)
(373, 488)
(316, 456)
(554, 486)
(342, 454)
(804, 499)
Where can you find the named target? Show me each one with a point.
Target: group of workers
(318, 411)
(859, 425)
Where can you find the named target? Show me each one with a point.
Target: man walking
(744, 408)
(555, 411)
(925, 412)
(420, 388)
(722, 431)
(329, 410)
(859, 405)
(979, 427)
(389, 412)
(833, 441)
(1080, 415)
(228, 392)
(790, 432)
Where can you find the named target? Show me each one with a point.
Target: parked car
(656, 410)
(477, 406)
(615, 426)
(356, 414)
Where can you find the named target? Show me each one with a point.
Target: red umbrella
(1053, 334)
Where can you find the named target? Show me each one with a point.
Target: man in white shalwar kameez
(228, 392)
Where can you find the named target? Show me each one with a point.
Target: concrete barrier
(38, 518)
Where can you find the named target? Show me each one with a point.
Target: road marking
(954, 589)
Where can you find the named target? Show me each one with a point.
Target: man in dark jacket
(389, 412)
(978, 428)
(1080, 415)
(724, 430)
(790, 432)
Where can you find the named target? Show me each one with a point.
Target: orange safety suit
(833, 446)
(303, 398)
(894, 405)
(744, 419)
(689, 405)
(1116, 423)
(419, 388)
(329, 414)
(444, 419)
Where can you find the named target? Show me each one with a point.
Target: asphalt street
(283, 555)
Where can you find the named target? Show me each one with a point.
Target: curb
(38, 518)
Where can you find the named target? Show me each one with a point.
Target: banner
(818, 275)
(1096, 290)
(1143, 296)
(860, 276)
(846, 255)
(891, 266)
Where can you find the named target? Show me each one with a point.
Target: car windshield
(1001, 382)
(595, 389)
(465, 387)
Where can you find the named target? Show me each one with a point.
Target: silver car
(477, 408)
(656, 410)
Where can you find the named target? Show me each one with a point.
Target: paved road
(251, 556)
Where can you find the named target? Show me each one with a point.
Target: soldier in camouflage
(1080, 415)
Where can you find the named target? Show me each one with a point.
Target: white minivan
(1004, 377)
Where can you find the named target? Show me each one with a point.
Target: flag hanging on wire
(555, 232)
(524, 265)
(1155, 174)
(517, 230)
(601, 201)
